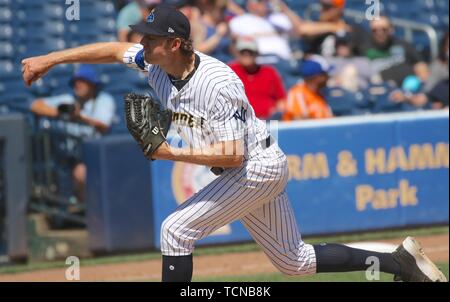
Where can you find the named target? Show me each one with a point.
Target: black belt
(265, 143)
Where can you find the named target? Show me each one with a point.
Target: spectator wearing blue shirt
(133, 13)
(86, 113)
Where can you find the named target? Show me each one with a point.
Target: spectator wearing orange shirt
(304, 99)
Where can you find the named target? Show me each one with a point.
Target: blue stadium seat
(6, 50)
(49, 29)
(379, 98)
(6, 32)
(5, 15)
(342, 102)
(97, 9)
(42, 46)
(44, 12)
(6, 68)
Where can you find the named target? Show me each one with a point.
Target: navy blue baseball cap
(315, 65)
(165, 21)
(87, 73)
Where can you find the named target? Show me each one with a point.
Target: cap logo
(151, 18)
(170, 30)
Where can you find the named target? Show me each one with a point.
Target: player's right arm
(107, 52)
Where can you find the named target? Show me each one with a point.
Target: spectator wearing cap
(86, 113)
(263, 85)
(270, 29)
(133, 13)
(305, 100)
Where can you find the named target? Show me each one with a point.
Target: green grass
(331, 277)
(237, 248)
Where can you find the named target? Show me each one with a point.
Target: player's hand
(35, 68)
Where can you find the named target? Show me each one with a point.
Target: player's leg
(274, 227)
(407, 263)
(227, 198)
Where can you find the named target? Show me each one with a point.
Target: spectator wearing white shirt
(271, 30)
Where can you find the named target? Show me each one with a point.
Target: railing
(47, 194)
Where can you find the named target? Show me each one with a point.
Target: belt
(265, 143)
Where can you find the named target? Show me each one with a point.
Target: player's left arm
(228, 154)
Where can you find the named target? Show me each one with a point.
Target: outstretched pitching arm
(35, 68)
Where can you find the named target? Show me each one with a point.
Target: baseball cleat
(415, 266)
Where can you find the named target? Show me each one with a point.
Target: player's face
(155, 48)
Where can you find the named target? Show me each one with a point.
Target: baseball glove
(147, 122)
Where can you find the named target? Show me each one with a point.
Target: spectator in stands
(133, 13)
(305, 100)
(350, 72)
(393, 58)
(270, 29)
(438, 96)
(320, 35)
(435, 98)
(87, 112)
(439, 68)
(212, 36)
(232, 9)
(263, 85)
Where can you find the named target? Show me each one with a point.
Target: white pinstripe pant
(257, 197)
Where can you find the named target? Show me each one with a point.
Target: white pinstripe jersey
(212, 107)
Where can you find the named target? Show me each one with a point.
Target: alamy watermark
(73, 271)
(373, 271)
(373, 11)
(73, 10)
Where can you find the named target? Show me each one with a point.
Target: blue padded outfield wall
(347, 174)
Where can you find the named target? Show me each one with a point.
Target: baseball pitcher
(205, 101)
